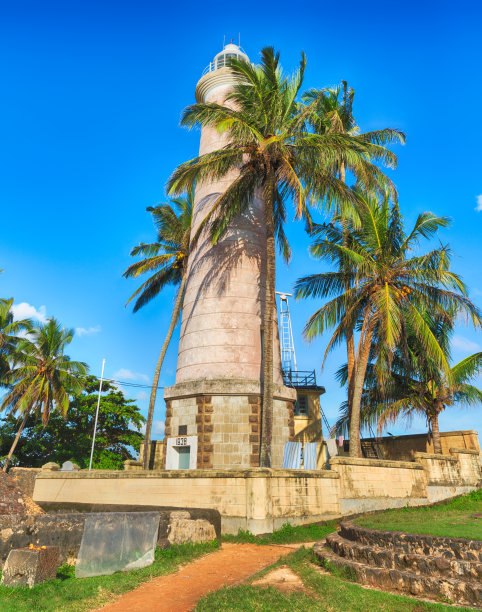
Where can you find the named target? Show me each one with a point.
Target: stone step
(441, 589)
(414, 543)
(395, 558)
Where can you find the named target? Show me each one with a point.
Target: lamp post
(96, 415)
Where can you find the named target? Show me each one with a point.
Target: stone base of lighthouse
(217, 424)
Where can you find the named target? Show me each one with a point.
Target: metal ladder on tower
(288, 356)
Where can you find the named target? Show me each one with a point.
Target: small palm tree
(42, 375)
(9, 330)
(390, 289)
(277, 157)
(419, 386)
(166, 262)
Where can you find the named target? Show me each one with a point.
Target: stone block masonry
(422, 565)
(261, 499)
(226, 420)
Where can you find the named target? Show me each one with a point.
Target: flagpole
(96, 415)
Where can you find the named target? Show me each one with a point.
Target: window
(301, 405)
(182, 430)
(222, 59)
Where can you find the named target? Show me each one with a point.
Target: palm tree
(166, 261)
(42, 375)
(9, 330)
(278, 158)
(390, 289)
(418, 385)
(332, 112)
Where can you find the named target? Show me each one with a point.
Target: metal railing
(209, 68)
(299, 378)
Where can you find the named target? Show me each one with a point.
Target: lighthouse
(214, 409)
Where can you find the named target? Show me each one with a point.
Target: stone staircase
(445, 569)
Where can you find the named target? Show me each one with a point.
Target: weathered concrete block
(28, 567)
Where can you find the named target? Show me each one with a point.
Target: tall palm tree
(42, 376)
(332, 112)
(418, 385)
(9, 330)
(278, 157)
(390, 289)
(166, 262)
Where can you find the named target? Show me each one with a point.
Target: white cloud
(127, 374)
(142, 395)
(82, 331)
(478, 208)
(158, 428)
(463, 344)
(24, 310)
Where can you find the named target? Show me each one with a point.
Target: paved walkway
(179, 592)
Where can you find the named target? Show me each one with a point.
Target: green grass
(67, 593)
(325, 593)
(287, 534)
(452, 519)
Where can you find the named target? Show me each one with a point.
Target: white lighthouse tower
(213, 416)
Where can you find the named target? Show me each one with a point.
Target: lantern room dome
(230, 51)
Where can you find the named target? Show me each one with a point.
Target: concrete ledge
(360, 505)
(419, 455)
(189, 474)
(466, 451)
(225, 387)
(376, 463)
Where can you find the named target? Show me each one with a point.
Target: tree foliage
(69, 438)
(383, 287)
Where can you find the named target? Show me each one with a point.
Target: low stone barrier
(64, 527)
(377, 484)
(450, 475)
(260, 500)
(450, 548)
(441, 568)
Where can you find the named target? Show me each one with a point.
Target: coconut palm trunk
(15, 442)
(157, 372)
(267, 408)
(437, 442)
(358, 383)
(350, 338)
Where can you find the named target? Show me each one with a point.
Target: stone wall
(401, 448)
(260, 500)
(450, 475)
(24, 478)
(63, 526)
(374, 484)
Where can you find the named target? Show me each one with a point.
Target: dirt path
(180, 591)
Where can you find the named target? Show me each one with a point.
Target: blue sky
(92, 94)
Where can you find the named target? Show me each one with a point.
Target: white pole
(96, 415)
